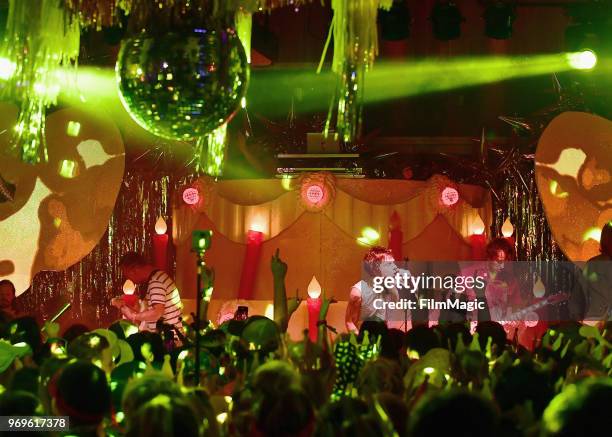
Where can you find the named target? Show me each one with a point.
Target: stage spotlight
(583, 60)
(446, 20)
(395, 23)
(498, 20)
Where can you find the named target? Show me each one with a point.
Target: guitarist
(501, 291)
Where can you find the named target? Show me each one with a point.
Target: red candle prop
(395, 236)
(313, 304)
(479, 247)
(160, 245)
(250, 263)
(129, 298)
(478, 240)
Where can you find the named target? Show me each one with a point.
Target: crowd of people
(254, 381)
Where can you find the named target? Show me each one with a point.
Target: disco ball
(183, 85)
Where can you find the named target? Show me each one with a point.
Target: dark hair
(501, 244)
(25, 329)
(74, 331)
(88, 346)
(521, 383)
(7, 282)
(18, 403)
(347, 417)
(605, 242)
(495, 331)
(164, 415)
(286, 414)
(25, 379)
(422, 339)
(141, 390)
(375, 328)
(373, 258)
(132, 259)
(455, 412)
(336, 415)
(449, 334)
(48, 370)
(380, 376)
(137, 340)
(580, 410)
(397, 411)
(82, 393)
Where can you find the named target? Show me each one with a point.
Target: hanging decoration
(354, 27)
(182, 86)
(573, 169)
(191, 196)
(39, 52)
(317, 190)
(184, 74)
(443, 194)
(63, 218)
(99, 13)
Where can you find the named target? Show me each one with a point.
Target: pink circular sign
(450, 196)
(314, 194)
(191, 196)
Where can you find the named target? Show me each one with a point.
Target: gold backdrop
(61, 208)
(319, 243)
(574, 177)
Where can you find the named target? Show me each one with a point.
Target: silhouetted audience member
(82, 393)
(166, 416)
(288, 414)
(455, 413)
(421, 339)
(581, 410)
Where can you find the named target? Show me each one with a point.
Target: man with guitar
(520, 317)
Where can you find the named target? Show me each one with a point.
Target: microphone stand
(200, 243)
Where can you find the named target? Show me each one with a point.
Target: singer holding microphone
(378, 261)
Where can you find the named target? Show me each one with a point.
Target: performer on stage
(162, 298)
(378, 261)
(7, 299)
(501, 290)
(598, 275)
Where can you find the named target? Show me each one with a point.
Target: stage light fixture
(583, 60)
(395, 23)
(499, 18)
(446, 20)
(7, 68)
(369, 237)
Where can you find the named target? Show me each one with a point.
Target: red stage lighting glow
(449, 196)
(191, 196)
(314, 194)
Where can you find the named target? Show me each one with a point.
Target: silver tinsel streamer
(90, 284)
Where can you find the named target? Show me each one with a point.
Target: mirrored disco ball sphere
(182, 85)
